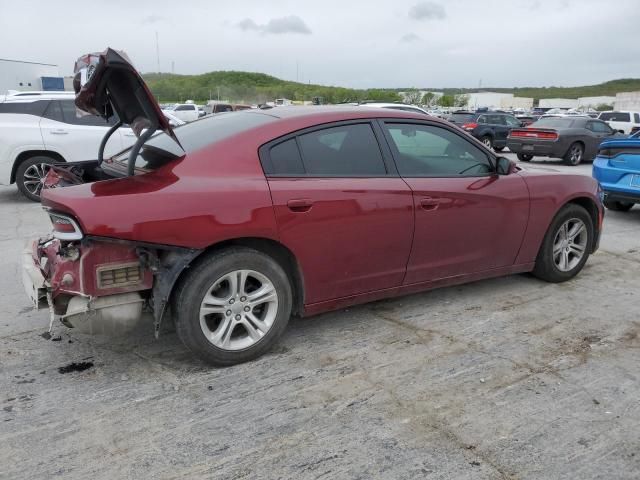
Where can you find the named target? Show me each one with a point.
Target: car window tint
(482, 119)
(53, 111)
(285, 159)
(182, 108)
(637, 117)
(70, 115)
(427, 151)
(599, 127)
(496, 120)
(349, 150)
(28, 108)
(512, 121)
(615, 117)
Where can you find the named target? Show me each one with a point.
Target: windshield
(615, 117)
(194, 136)
(554, 122)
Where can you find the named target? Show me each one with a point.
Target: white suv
(623, 122)
(42, 128)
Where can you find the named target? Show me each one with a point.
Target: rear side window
(185, 108)
(285, 158)
(615, 117)
(496, 120)
(71, 116)
(347, 150)
(27, 108)
(637, 117)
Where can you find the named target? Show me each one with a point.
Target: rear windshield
(554, 122)
(461, 117)
(194, 136)
(615, 117)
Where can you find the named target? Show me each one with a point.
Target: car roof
(36, 96)
(331, 113)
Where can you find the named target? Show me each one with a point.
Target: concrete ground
(502, 379)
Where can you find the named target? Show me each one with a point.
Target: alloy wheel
(238, 309)
(34, 177)
(575, 155)
(570, 244)
(487, 142)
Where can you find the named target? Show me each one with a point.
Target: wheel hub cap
(570, 244)
(238, 309)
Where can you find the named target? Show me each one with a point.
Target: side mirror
(504, 166)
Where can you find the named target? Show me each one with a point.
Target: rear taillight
(469, 126)
(534, 134)
(65, 227)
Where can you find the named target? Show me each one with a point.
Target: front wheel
(618, 206)
(232, 306)
(30, 176)
(574, 155)
(566, 245)
(487, 142)
(525, 157)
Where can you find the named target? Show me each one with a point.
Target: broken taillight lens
(65, 227)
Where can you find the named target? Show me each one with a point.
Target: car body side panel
(18, 133)
(549, 193)
(190, 203)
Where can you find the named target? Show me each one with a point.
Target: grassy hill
(250, 87)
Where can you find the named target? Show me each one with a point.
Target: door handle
(428, 203)
(300, 204)
(59, 132)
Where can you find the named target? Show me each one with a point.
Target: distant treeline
(247, 87)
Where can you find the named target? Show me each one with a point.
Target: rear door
(500, 129)
(341, 209)
(76, 137)
(468, 219)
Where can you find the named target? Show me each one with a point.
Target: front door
(346, 218)
(468, 219)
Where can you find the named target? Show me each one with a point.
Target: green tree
(603, 107)
(446, 101)
(429, 99)
(460, 100)
(412, 96)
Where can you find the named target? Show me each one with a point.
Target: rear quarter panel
(549, 192)
(215, 194)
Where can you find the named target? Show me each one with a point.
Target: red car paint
(353, 239)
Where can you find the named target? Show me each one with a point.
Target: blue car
(617, 168)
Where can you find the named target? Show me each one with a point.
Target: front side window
(599, 127)
(429, 151)
(512, 121)
(347, 150)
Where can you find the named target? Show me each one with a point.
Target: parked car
(490, 128)
(527, 119)
(623, 122)
(239, 220)
(396, 106)
(617, 168)
(187, 112)
(39, 129)
(571, 138)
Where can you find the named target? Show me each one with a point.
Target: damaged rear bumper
(35, 285)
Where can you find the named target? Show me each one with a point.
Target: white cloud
(427, 11)
(289, 24)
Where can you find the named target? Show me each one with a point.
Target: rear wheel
(566, 245)
(30, 176)
(232, 306)
(525, 157)
(574, 155)
(618, 206)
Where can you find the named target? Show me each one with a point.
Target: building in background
(558, 103)
(593, 102)
(517, 102)
(629, 101)
(490, 100)
(19, 75)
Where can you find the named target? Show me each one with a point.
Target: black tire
(618, 206)
(30, 166)
(487, 141)
(525, 157)
(199, 279)
(545, 267)
(574, 155)
(498, 149)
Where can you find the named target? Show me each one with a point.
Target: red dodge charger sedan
(234, 222)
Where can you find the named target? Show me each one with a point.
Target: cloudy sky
(361, 44)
